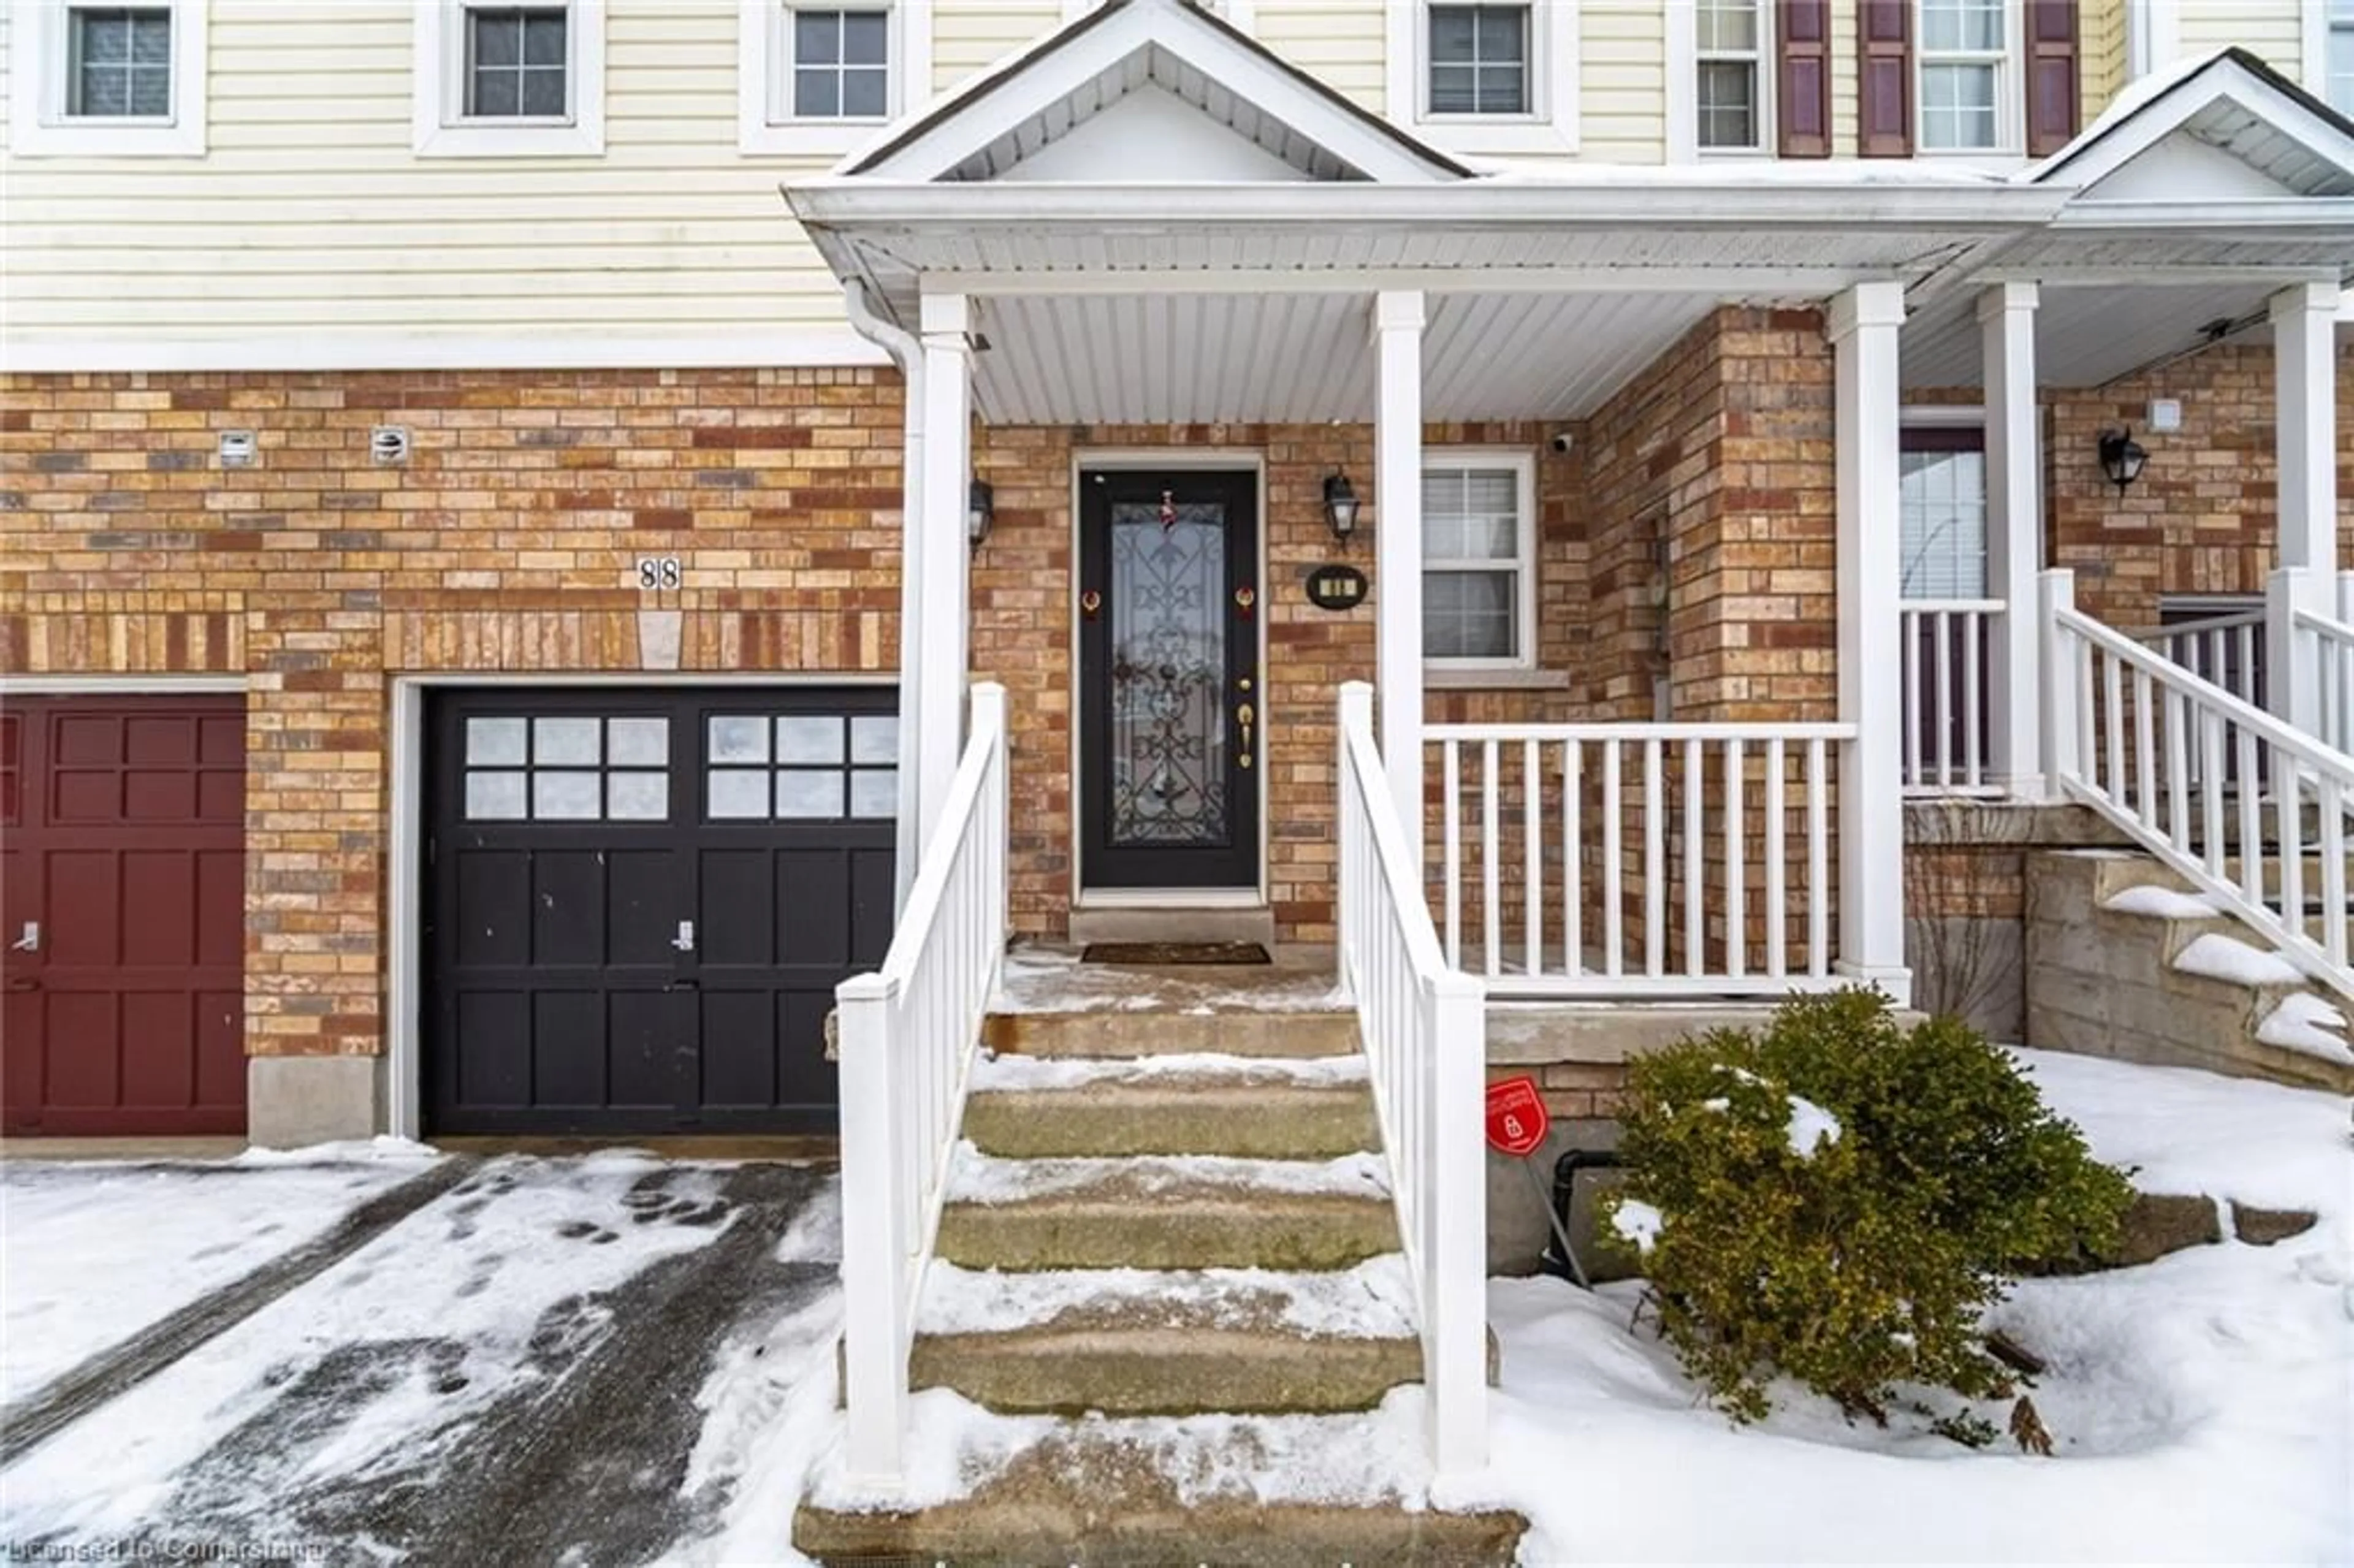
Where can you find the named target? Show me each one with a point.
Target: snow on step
(1374, 1300)
(2163, 903)
(2218, 957)
(2306, 1024)
(978, 1178)
(1015, 1074)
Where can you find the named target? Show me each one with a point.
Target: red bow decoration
(1168, 511)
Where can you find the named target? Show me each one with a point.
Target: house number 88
(656, 573)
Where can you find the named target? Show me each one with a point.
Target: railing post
(1397, 547)
(989, 717)
(1864, 325)
(1454, 1229)
(2292, 682)
(1356, 718)
(874, 1240)
(2056, 591)
(2014, 532)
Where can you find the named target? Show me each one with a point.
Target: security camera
(1561, 440)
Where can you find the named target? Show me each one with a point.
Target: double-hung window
(107, 80)
(1480, 60)
(1963, 60)
(819, 76)
(509, 78)
(1729, 93)
(1478, 566)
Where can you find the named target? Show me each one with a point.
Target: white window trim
(438, 126)
(1551, 127)
(2313, 40)
(2009, 97)
(1683, 89)
(1523, 465)
(38, 125)
(761, 71)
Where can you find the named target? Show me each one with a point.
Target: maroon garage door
(121, 912)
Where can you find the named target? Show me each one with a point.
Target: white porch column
(945, 557)
(2014, 535)
(1397, 539)
(2305, 393)
(1864, 332)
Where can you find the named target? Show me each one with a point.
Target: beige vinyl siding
(1622, 56)
(2100, 56)
(969, 35)
(1342, 43)
(311, 214)
(1847, 81)
(2272, 29)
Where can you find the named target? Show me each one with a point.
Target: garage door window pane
(495, 797)
(566, 796)
(565, 741)
(875, 792)
(638, 742)
(739, 740)
(805, 738)
(875, 737)
(495, 742)
(809, 794)
(740, 792)
(637, 797)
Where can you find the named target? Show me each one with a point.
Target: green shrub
(1866, 1261)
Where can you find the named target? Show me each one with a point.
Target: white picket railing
(2324, 653)
(1424, 1031)
(1577, 816)
(1947, 695)
(909, 1032)
(2226, 650)
(2140, 738)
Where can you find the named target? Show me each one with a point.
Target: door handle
(24, 983)
(1244, 716)
(684, 940)
(30, 942)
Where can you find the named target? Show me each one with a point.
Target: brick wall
(506, 542)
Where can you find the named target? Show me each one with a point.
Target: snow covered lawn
(91, 1254)
(2201, 1405)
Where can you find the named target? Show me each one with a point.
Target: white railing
(1425, 1032)
(2226, 650)
(1584, 880)
(909, 1032)
(2324, 652)
(2136, 736)
(1946, 697)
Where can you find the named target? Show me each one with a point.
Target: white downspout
(907, 353)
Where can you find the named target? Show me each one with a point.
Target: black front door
(640, 902)
(1171, 710)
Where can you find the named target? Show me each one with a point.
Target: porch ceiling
(2086, 334)
(1309, 358)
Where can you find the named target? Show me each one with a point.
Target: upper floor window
(1480, 59)
(2338, 57)
(107, 80)
(1963, 56)
(819, 75)
(509, 80)
(1731, 54)
(1479, 559)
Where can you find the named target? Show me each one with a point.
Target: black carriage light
(1340, 505)
(2122, 457)
(980, 510)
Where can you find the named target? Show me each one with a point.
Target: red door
(122, 916)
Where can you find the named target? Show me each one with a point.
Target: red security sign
(1517, 1119)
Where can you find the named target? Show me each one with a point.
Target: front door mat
(1174, 953)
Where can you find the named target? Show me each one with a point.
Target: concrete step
(1158, 1211)
(1254, 1109)
(1110, 1034)
(1249, 1491)
(1173, 1342)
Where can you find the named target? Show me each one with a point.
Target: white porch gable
(1152, 90)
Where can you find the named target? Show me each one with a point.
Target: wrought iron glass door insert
(1170, 709)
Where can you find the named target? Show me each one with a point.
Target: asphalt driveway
(522, 1364)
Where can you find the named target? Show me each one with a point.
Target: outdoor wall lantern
(1340, 505)
(980, 510)
(2122, 457)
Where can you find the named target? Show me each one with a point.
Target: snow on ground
(1031, 1073)
(2222, 957)
(2302, 1021)
(91, 1254)
(409, 1342)
(2165, 903)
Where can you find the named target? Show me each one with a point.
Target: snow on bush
(1852, 1205)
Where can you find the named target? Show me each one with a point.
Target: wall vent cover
(238, 449)
(389, 444)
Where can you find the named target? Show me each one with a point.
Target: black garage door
(641, 902)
